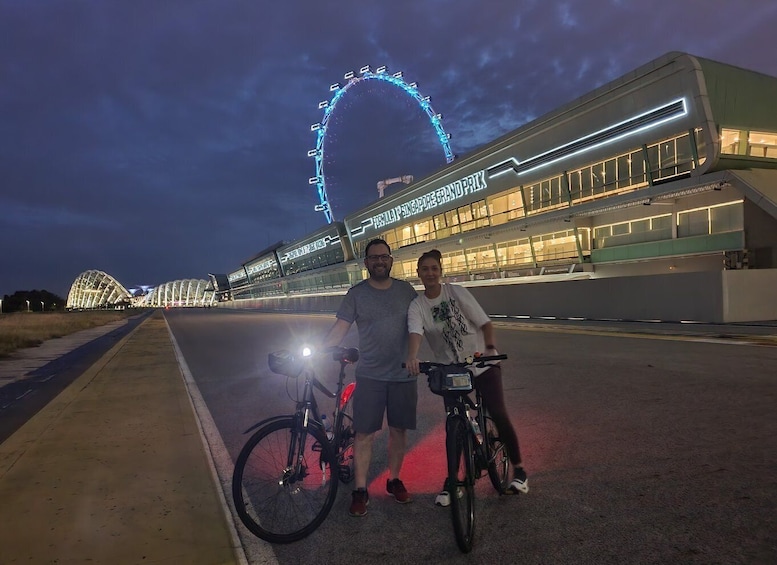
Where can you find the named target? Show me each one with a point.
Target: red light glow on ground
(423, 470)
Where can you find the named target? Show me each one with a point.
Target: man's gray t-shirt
(381, 320)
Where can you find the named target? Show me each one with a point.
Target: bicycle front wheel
(461, 480)
(283, 486)
(498, 460)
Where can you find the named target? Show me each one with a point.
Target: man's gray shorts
(372, 399)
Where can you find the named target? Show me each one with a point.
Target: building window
(454, 263)
(762, 144)
(505, 207)
(423, 230)
(721, 218)
(655, 228)
(481, 258)
(558, 246)
(752, 143)
(514, 253)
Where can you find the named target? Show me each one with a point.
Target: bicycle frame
(307, 406)
(458, 406)
(306, 413)
(286, 475)
(467, 455)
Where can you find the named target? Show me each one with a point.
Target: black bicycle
(286, 476)
(472, 442)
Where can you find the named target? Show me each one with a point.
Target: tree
(17, 302)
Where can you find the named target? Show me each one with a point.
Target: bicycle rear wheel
(346, 438)
(282, 484)
(461, 480)
(498, 460)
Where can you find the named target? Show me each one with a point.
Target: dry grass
(29, 329)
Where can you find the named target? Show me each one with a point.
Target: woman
(456, 326)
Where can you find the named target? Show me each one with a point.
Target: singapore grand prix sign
(454, 191)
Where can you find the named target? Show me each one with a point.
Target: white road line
(752, 340)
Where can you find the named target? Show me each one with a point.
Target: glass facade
(654, 228)
(331, 255)
(266, 268)
(751, 143)
(711, 219)
(629, 171)
(664, 160)
(317, 282)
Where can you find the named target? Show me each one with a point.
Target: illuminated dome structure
(181, 293)
(96, 289)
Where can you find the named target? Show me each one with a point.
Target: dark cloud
(164, 140)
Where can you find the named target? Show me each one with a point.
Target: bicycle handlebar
(343, 354)
(284, 362)
(478, 361)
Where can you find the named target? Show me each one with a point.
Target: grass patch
(19, 330)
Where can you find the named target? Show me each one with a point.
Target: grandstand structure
(95, 289)
(651, 197)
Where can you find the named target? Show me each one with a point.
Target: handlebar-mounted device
(449, 379)
(454, 377)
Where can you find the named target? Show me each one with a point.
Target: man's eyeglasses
(383, 257)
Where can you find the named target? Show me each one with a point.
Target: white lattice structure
(96, 289)
(181, 293)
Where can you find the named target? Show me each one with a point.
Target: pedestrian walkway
(114, 470)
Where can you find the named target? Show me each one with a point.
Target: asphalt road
(640, 448)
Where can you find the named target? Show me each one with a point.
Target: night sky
(165, 139)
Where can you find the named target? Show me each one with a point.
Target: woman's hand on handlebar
(412, 365)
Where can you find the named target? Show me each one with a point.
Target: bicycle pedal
(345, 474)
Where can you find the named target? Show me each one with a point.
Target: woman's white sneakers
(518, 485)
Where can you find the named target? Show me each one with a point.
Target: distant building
(98, 290)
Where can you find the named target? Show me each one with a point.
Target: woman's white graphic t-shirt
(451, 323)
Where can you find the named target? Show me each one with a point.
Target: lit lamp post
(28, 305)
(1, 305)
(42, 307)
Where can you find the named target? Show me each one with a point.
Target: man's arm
(337, 333)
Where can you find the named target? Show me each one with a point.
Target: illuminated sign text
(448, 193)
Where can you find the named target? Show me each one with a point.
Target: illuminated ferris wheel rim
(366, 73)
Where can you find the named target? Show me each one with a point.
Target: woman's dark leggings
(489, 383)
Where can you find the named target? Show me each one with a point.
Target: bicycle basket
(450, 379)
(284, 362)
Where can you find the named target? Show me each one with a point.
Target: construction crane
(382, 184)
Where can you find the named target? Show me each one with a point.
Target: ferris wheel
(352, 79)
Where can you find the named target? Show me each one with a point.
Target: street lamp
(28, 305)
(1, 305)
(42, 307)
